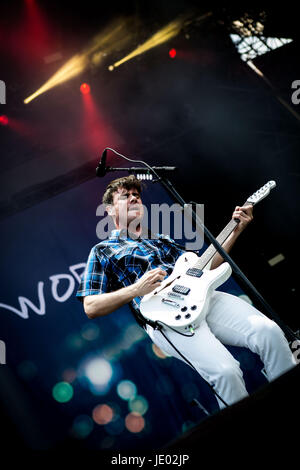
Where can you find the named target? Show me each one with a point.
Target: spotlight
(172, 53)
(3, 120)
(85, 88)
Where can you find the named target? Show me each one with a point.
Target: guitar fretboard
(211, 250)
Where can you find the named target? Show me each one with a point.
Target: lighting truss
(249, 40)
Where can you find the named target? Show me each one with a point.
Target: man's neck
(135, 230)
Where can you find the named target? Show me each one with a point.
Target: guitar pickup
(181, 289)
(194, 272)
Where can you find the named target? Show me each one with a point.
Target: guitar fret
(221, 238)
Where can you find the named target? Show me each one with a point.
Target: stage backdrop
(99, 383)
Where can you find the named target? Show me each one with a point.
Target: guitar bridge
(172, 303)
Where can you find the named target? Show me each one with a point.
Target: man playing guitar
(128, 266)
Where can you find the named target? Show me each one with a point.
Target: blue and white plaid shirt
(122, 259)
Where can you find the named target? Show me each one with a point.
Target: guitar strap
(181, 247)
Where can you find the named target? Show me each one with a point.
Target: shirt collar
(124, 234)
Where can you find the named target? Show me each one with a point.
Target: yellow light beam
(72, 68)
(166, 33)
(163, 35)
(114, 36)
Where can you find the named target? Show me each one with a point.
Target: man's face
(127, 208)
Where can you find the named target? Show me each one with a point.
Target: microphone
(141, 173)
(101, 168)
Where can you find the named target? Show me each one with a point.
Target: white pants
(231, 321)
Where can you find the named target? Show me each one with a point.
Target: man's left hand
(244, 215)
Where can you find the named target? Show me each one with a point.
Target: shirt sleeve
(95, 278)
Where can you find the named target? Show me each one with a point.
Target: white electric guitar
(182, 299)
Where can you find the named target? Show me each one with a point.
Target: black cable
(188, 362)
(135, 161)
(173, 329)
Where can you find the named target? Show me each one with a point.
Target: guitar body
(182, 300)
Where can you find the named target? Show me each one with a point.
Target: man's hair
(127, 182)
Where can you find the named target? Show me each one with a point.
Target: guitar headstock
(261, 193)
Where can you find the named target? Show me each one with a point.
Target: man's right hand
(149, 281)
(103, 304)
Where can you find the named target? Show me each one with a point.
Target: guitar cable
(160, 328)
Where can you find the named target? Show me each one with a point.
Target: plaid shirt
(122, 259)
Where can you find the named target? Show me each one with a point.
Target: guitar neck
(221, 238)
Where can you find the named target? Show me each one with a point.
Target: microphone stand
(139, 170)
